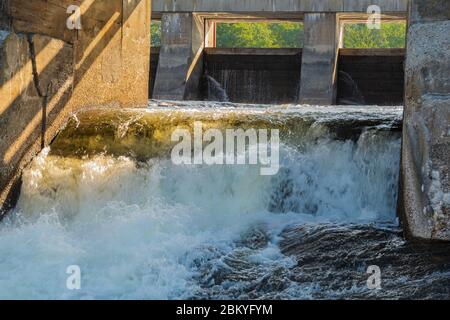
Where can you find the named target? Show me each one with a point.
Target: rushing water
(107, 197)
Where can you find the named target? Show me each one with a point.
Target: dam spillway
(107, 182)
(272, 76)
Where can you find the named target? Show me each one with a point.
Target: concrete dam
(192, 171)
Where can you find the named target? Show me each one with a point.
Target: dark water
(329, 262)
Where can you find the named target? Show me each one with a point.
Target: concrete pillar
(425, 175)
(112, 51)
(320, 53)
(181, 57)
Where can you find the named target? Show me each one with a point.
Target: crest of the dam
(50, 68)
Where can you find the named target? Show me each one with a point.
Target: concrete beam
(320, 55)
(111, 49)
(425, 174)
(272, 6)
(180, 59)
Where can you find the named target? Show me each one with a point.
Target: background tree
(156, 33)
(260, 35)
(391, 35)
(290, 35)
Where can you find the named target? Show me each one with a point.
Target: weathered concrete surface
(320, 54)
(378, 73)
(181, 57)
(254, 6)
(112, 54)
(4, 20)
(43, 17)
(48, 71)
(263, 76)
(425, 176)
(27, 82)
(111, 50)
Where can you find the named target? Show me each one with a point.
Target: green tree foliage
(260, 35)
(156, 33)
(391, 35)
(290, 35)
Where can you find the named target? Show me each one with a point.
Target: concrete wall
(119, 62)
(425, 176)
(48, 71)
(186, 31)
(267, 6)
(25, 87)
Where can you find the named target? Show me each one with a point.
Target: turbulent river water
(106, 197)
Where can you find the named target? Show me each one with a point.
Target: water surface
(106, 197)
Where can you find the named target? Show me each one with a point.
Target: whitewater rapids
(106, 197)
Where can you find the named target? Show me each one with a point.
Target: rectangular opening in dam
(389, 35)
(156, 33)
(373, 61)
(255, 61)
(248, 34)
(260, 60)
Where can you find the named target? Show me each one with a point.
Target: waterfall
(107, 198)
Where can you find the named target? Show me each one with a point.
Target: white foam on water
(134, 229)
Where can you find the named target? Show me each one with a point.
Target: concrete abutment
(425, 175)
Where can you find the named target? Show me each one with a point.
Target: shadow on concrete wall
(31, 114)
